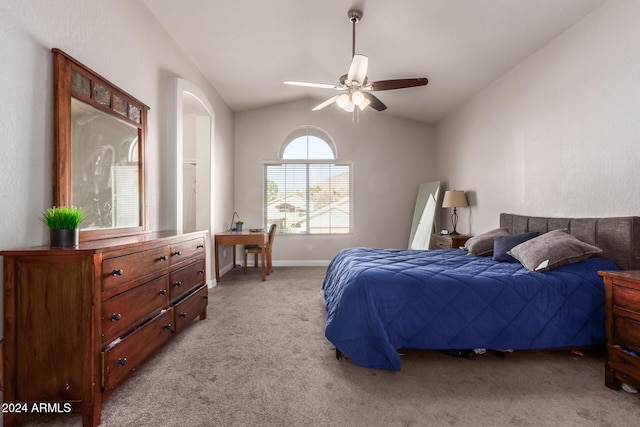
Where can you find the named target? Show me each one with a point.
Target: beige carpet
(261, 359)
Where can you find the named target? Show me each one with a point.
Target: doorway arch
(192, 176)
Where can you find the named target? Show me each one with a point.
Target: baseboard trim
(281, 263)
(302, 263)
(287, 263)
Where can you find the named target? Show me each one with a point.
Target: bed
(381, 300)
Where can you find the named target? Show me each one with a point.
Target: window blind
(308, 196)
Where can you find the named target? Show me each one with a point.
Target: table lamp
(454, 199)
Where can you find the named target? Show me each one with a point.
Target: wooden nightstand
(440, 241)
(622, 327)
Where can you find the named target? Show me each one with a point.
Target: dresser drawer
(185, 279)
(123, 312)
(184, 252)
(125, 357)
(627, 332)
(120, 270)
(190, 307)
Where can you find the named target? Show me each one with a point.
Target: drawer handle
(121, 361)
(205, 297)
(177, 253)
(115, 317)
(200, 246)
(117, 272)
(200, 271)
(162, 292)
(177, 284)
(163, 258)
(183, 314)
(167, 326)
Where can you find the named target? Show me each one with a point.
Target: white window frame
(307, 164)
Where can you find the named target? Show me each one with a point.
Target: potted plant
(63, 223)
(239, 225)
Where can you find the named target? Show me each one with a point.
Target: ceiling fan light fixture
(358, 98)
(364, 104)
(350, 107)
(342, 100)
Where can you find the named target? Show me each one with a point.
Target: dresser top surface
(91, 246)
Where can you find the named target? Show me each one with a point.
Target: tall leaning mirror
(99, 158)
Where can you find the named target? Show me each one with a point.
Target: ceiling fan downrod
(354, 16)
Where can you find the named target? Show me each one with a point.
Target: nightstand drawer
(623, 362)
(447, 241)
(628, 299)
(627, 332)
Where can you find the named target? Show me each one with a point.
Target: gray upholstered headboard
(618, 237)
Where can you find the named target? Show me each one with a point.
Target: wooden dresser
(447, 241)
(78, 322)
(622, 323)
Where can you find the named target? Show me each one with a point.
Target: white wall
(391, 158)
(558, 135)
(122, 41)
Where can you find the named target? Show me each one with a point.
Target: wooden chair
(257, 250)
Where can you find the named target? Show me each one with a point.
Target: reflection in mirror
(424, 215)
(104, 166)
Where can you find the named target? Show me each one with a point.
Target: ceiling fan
(355, 87)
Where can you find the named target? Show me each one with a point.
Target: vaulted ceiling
(246, 49)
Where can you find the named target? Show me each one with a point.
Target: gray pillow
(551, 250)
(483, 244)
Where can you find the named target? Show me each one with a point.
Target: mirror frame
(135, 114)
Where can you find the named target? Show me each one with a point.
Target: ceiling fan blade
(358, 69)
(325, 103)
(316, 85)
(375, 103)
(398, 83)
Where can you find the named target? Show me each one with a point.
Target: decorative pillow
(483, 244)
(551, 250)
(505, 243)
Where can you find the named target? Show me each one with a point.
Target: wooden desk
(234, 238)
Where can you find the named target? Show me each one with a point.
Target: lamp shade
(454, 199)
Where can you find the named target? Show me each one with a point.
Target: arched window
(307, 190)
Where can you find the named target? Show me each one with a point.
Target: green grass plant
(63, 217)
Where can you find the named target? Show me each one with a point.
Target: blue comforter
(381, 300)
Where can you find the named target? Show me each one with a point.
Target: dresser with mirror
(79, 322)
